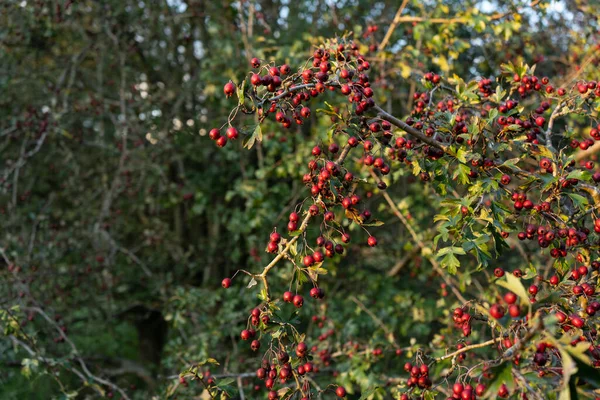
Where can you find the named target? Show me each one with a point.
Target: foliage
(121, 217)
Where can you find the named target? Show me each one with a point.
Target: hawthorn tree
(502, 159)
(399, 177)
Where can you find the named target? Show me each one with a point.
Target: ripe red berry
(533, 290)
(496, 311)
(308, 261)
(229, 89)
(540, 121)
(318, 256)
(245, 335)
(232, 133)
(272, 247)
(503, 391)
(510, 298)
(298, 301)
(576, 321)
(226, 283)
(458, 388)
(372, 241)
(255, 80)
(375, 127)
(214, 134)
(284, 69)
(222, 141)
(340, 392)
(288, 297)
(480, 389)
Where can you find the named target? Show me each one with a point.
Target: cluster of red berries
(272, 79)
(485, 87)
(431, 77)
(274, 240)
(584, 87)
(466, 392)
(215, 135)
(497, 310)
(546, 235)
(325, 335)
(370, 30)
(281, 368)
(462, 320)
(419, 376)
(296, 299)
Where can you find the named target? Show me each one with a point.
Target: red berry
(510, 298)
(372, 241)
(226, 283)
(229, 89)
(232, 133)
(288, 297)
(222, 141)
(340, 392)
(245, 335)
(298, 301)
(308, 260)
(214, 134)
(533, 290)
(496, 311)
(458, 388)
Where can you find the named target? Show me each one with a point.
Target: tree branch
(409, 129)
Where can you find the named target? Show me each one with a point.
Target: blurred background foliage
(119, 217)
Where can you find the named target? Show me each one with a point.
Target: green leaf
(451, 249)
(256, 135)
(225, 381)
(578, 199)
(374, 223)
(579, 174)
(294, 249)
(369, 392)
(502, 375)
(416, 167)
(451, 263)
(240, 92)
(461, 155)
(208, 361)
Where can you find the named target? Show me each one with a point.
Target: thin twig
(375, 318)
(393, 26)
(420, 243)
